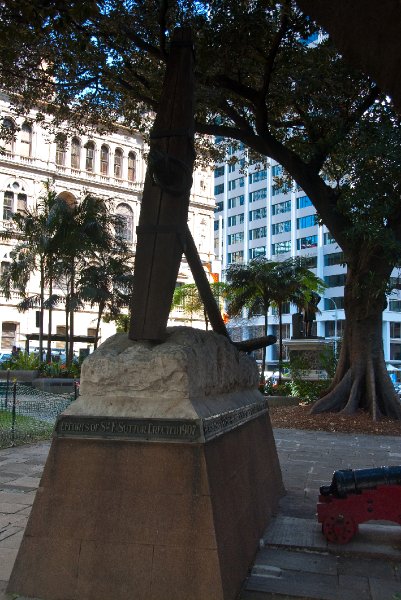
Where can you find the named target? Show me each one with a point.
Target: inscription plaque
(143, 429)
(174, 430)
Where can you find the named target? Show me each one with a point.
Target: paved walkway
(295, 561)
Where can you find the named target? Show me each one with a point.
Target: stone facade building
(111, 167)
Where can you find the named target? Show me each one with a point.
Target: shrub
(23, 361)
(308, 391)
(55, 369)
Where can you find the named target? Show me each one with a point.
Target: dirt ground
(299, 417)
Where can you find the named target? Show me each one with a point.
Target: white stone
(193, 373)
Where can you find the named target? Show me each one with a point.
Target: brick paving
(294, 561)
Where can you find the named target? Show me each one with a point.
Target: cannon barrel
(352, 481)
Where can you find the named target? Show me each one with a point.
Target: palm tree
(294, 283)
(107, 280)
(84, 229)
(261, 283)
(187, 297)
(34, 252)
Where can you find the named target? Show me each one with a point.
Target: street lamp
(335, 324)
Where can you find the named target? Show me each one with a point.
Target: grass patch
(26, 430)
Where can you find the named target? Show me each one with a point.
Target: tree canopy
(262, 284)
(265, 77)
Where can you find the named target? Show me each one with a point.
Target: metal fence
(28, 414)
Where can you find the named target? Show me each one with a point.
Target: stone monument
(160, 479)
(162, 476)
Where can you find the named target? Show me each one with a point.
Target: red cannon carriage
(357, 496)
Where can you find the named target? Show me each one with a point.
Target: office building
(255, 216)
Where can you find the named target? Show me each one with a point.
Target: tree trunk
(50, 311)
(71, 312)
(66, 330)
(280, 341)
(42, 299)
(361, 380)
(264, 353)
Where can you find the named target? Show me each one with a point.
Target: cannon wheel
(340, 529)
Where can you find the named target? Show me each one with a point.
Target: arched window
(9, 131)
(14, 200)
(131, 166)
(26, 140)
(61, 149)
(125, 227)
(75, 153)
(104, 160)
(118, 163)
(90, 156)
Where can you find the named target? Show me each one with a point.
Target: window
(21, 203)
(309, 221)
(258, 176)
(90, 157)
(307, 242)
(310, 262)
(125, 227)
(104, 160)
(258, 195)
(234, 183)
(235, 257)
(328, 238)
(219, 206)
(8, 202)
(75, 153)
(219, 189)
(259, 213)
(132, 166)
(8, 143)
(259, 251)
(277, 170)
(231, 168)
(337, 258)
(395, 329)
(395, 351)
(216, 225)
(281, 247)
(236, 201)
(8, 335)
(335, 280)
(329, 304)
(281, 207)
(235, 238)
(258, 233)
(26, 140)
(61, 149)
(118, 163)
(281, 227)
(219, 171)
(14, 200)
(235, 220)
(330, 328)
(395, 305)
(4, 267)
(279, 189)
(303, 202)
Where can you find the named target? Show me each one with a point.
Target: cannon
(356, 496)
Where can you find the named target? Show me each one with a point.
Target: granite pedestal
(148, 498)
